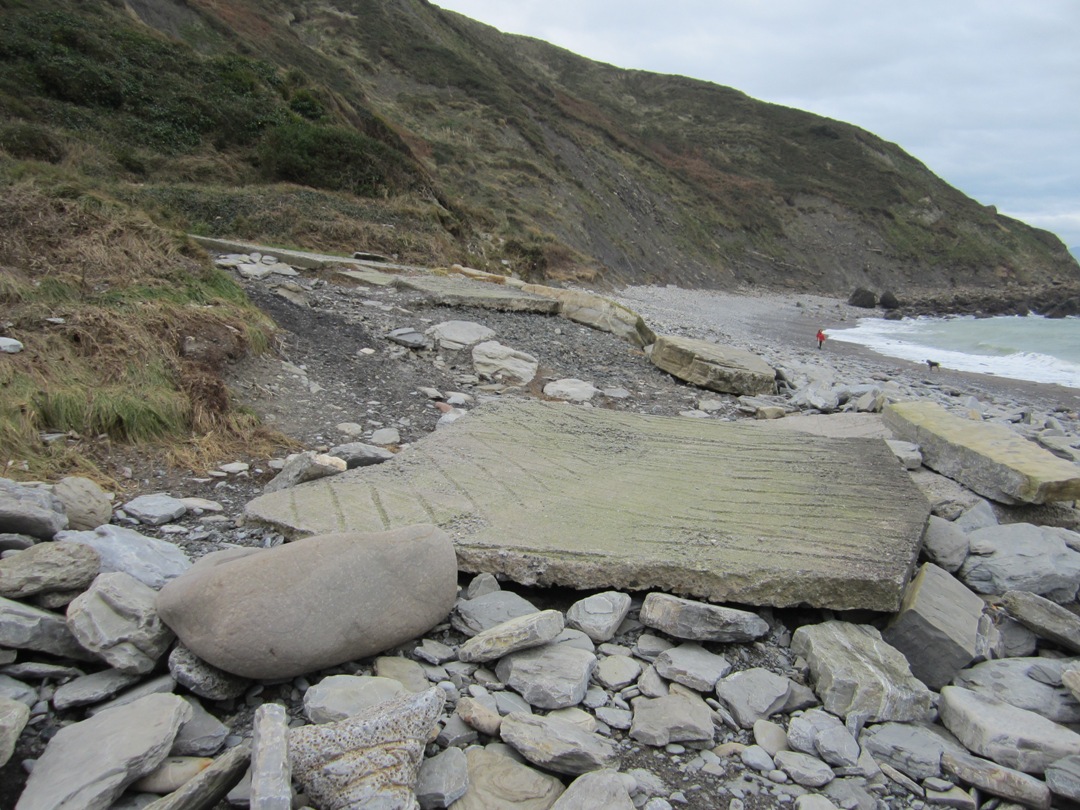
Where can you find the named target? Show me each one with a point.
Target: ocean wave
(965, 345)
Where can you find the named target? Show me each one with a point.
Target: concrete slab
(554, 494)
(464, 292)
(300, 258)
(710, 365)
(371, 278)
(986, 457)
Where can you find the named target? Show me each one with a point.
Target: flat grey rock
(1045, 618)
(1062, 777)
(116, 619)
(519, 633)
(804, 769)
(161, 685)
(599, 313)
(444, 778)
(77, 770)
(303, 467)
(93, 688)
(338, 697)
(1015, 738)
(912, 748)
(844, 519)
(616, 672)
(693, 666)
(494, 361)
(14, 689)
(988, 458)
(150, 560)
(712, 366)
(155, 509)
(85, 503)
(1022, 682)
(672, 719)
(1021, 557)
(753, 694)
(202, 735)
(457, 335)
(557, 745)
(554, 676)
(13, 717)
(24, 627)
(857, 673)
(47, 567)
(599, 789)
(686, 618)
(599, 616)
(820, 734)
(461, 292)
(30, 510)
(487, 610)
(997, 780)
(945, 544)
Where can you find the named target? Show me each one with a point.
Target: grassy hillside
(393, 126)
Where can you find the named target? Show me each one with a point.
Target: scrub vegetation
(395, 127)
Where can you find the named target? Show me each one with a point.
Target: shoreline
(781, 327)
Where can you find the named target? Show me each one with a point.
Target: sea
(1028, 347)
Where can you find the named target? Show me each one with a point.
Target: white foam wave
(902, 339)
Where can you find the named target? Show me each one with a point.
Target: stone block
(989, 458)
(937, 626)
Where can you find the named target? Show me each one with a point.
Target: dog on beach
(933, 365)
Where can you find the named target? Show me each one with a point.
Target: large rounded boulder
(863, 298)
(314, 603)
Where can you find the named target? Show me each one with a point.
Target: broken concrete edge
(713, 366)
(568, 570)
(633, 329)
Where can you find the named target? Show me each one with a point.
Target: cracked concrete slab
(464, 292)
(552, 494)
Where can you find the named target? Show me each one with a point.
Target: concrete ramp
(553, 494)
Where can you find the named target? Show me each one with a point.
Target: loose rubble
(364, 669)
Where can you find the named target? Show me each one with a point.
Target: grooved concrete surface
(552, 494)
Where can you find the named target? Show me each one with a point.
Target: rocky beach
(420, 608)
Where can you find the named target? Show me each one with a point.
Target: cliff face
(514, 153)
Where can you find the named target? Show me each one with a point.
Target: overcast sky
(984, 92)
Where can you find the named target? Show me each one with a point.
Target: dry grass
(126, 328)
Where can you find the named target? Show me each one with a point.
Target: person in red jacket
(820, 337)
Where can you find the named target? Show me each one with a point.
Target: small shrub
(330, 157)
(28, 141)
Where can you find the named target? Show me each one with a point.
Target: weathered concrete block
(988, 458)
(598, 312)
(709, 365)
(732, 512)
